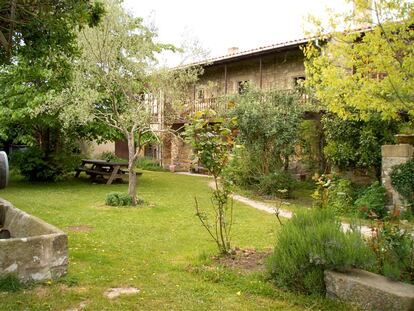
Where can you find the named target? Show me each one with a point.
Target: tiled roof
(264, 49)
(258, 50)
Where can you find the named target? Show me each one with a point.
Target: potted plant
(406, 135)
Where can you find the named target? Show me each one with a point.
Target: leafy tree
(37, 50)
(34, 29)
(268, 123)
(354, 144)
(357, 73)
(116, 82)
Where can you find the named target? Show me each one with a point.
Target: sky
(220, 24)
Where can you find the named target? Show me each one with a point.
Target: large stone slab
(370, 291)
(36, 250)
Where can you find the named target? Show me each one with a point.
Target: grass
(10, 283)
(160, 249)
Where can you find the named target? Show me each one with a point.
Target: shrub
(394, 249)
(146, 163)
(323, 184)
(239, 171)
(357, 144)
(120, 199)
(372, 202)
(311, 242)
(110, 157)
(274, 182)
(340, 199)
(402, 179)
(35, 165)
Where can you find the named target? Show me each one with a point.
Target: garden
(324, 162)
(158, 248)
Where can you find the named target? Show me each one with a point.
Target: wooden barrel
(4, 170)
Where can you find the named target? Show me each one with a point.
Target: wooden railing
(219, 106)
(208, 103)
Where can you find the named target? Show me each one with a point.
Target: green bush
(120, 199)
(311, 242)
(110, 157)
(239, 170)
(149, 164)
(36, 165)
(372, 203)
(275, 183)
(340, 198)
(402, 179)
(394, 248)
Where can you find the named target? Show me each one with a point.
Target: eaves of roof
(278, 47)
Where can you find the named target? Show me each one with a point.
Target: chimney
(232, 50)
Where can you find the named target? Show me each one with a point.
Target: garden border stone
(369, 290)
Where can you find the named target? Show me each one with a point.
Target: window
(150, 151)
(242, 86)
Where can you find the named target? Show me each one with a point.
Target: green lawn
(160, 249)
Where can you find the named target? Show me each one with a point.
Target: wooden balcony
(187, 111)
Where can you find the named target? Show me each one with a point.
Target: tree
(35, 29)
(358, 73)
(212, 140)
(356, 144)
(116, 81)
(268, 123)
(37, 49)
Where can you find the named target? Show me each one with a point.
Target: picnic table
(104, 169)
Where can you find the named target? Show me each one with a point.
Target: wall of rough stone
(393, 155)
(93, 149)
(36, 250)
(181, 155)
(279, 71)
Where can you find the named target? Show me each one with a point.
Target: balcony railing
(185, 112)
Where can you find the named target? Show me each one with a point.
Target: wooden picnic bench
(104, 169)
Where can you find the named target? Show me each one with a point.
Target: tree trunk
(286, 163)
(323, 165)
(132, 183)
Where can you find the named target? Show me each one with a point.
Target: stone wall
(36, 250)
(93, 149)
(393, 155)
(181, 155)
(279, 71)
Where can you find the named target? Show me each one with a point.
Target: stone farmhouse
(278, 66)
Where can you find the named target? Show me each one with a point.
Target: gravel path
(365, 230)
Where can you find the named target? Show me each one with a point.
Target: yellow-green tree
(356, 72)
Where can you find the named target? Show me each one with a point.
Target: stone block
(36, 250)
(399, 151)
(370, 291)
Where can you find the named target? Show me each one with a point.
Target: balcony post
(261, 73)
(225, 79)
